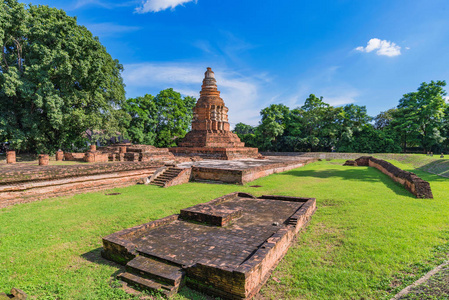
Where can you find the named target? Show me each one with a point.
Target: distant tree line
(420, 121)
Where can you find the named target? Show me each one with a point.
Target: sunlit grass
(368, 239)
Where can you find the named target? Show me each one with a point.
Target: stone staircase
(165, 177)
(154, 275)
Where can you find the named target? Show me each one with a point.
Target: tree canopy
(160, 120)
(56, 79)
(419, 121)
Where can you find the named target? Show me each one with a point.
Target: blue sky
(366, 52)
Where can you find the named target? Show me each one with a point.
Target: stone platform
(226, 247)
(243, 170)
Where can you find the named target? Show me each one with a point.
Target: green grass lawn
(368, 239)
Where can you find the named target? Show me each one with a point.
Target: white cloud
(240, 93)
(107, 29)
(383, 47)
(159, 5)
(446, 98)
(342, 98)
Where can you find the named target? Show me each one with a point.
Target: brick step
(160, 181)
(156, 270)
(169, 173)
(174, 169)
(143, 252)
(163, 178)
(148, 284)
(168, 176)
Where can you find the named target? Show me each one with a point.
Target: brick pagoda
(211, 136)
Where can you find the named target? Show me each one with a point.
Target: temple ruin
(211, 136)
(227, 247)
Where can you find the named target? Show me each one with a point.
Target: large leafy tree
(272, 126)
(384, 119)
(420, 115)
(56, 79)
(247, 134)
(160, 120)
(141, 128)
(319, 124)
(173, 117)
(353, 120)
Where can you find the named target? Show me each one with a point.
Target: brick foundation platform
(243, 170)
(21, 183)
(216, 153)
(227, 247)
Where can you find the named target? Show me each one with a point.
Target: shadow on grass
(356, 174)
(94, 256)
(438, 167)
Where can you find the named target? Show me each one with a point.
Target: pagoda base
(217, 153)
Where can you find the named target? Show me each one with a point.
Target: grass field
(368, 239)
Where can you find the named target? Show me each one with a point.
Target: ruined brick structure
(59, 155)
(129, 152)
(11, 157)
(227, 247)
(25, 183)
(44, 159)
(241, 172)
(211, 136)
(121, 152)
(417, 186)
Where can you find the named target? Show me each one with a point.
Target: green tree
(242, 129)
(383, 120)
(352, 120)
(271, 128)
(56, 79)
(420, 114)
(142, 126)
(173, 117)
(320, 124)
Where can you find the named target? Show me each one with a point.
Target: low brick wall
(215, 174)
(32, 183)
(70, 156)
(417, 186)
